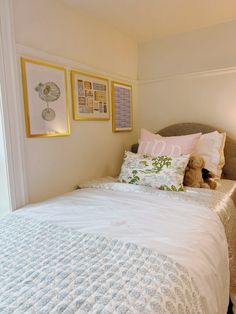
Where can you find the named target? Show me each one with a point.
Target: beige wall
(204, 49)
(55, 165)
(181, 79)
(188, 78)
(59, 29)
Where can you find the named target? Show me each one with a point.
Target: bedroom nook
(117, 157)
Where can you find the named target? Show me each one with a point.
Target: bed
(111, 247)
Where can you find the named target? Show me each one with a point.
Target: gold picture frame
(122, 107)
(45, 93)
(90, 96)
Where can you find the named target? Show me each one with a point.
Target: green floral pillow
(163, 172)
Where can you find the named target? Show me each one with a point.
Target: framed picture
(45, 99)
(122, 115)
(90, 96)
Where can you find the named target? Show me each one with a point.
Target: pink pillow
(156, 145)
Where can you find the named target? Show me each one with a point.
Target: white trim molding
(189, 75)
(13, 122)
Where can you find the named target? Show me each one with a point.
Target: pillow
(163, 172)
(156, 145)
(211, 147)
(222, 155)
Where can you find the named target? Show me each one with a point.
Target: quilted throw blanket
(45, 268)
(216, 201)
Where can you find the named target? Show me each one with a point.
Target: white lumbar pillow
(211, 147)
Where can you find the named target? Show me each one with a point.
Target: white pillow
(211, 147)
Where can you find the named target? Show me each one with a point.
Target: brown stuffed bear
(194, 174)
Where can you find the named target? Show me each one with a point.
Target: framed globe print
(90, 96)
(45, 99)
(122, 113)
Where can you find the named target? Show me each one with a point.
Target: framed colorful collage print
(90, 96)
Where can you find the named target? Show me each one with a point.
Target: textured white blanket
(49, 269)
(182, 226)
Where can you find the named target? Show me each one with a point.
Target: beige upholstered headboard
(229, 170)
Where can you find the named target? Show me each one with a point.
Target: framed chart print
(45, 99)
(122, 115)
(90, 96)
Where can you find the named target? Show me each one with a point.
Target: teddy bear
(197, 176)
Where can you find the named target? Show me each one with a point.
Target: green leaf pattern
(163, 172)
(171, 188)
(157, 164)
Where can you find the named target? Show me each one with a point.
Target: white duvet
(181, 225)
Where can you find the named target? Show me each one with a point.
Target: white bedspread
(181, 225)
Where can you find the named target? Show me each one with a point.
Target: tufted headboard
(229, 170)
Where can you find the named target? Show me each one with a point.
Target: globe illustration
(48, 92)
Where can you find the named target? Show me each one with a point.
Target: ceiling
(146, 20)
